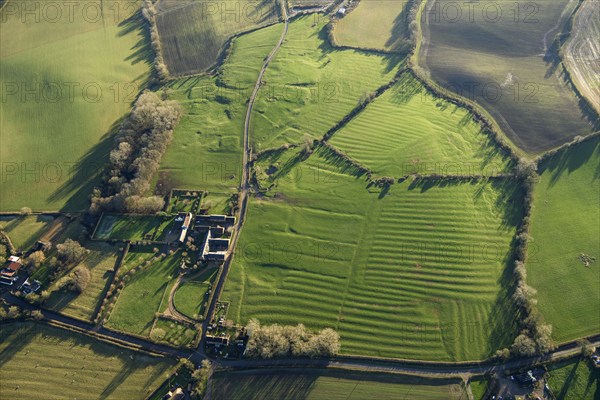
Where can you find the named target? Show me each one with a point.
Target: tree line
(139, 146)
(273, 341)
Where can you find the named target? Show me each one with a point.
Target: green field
(506, 63)
(413, 272)
(101, 263)
(574, 380)
(206, 153)
(310, 86)
(311, 385)
(479, 388)
(566, 212)
(191, 296)
(68, 82)
(133, 227)
(407, 130)
(39, 360)
(143, 295)
(376, 24)
(193, 33)
(26, 230)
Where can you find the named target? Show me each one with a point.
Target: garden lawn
(191, 296)
(376, 24)
(24, 231)
(101, 263)
(310, 86)
(565, 223)
(311, 385)
(131, 227)
(206, 153)
(68, 82)
(407, 130)
(142, 296)
(574, 380)
(417, 271)
(37, 358)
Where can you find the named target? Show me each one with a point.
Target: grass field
(68, 82)
(143, 295)
(566, 223)
(479, 388)
(311, 385)
(36, 359)
(574, 380)
(194, 33)
(376, 24)
(309, 86)
(206, 153)
(191, 296)
(507, 64)
(407, 130)
(26, 230)
(101, 263)
(414, 272)
(132, 227)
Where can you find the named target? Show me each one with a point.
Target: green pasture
(206, 153)
(407, 130)
(565, 224)
(191, 296)
(416, 271)
(376, 24)
(574, 380)
(24, 231)
(193, 34)
(143, 295)
(66, 82)
(310, 86)
(101, 263)
(40, 360)
(317, 384)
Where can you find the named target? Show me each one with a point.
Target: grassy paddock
(101, 263)
(193, 34)
(36, 358)
(310, 86)
(315, 384)
(142, 296)
(26, 230)
(206, 153)
(407, 130)
(376, 24)
(509, 66)
(565, 224)
(417, 271)
(56, 140)
(574, 380)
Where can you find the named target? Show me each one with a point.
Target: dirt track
(582, 51)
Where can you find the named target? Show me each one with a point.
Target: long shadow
(568, 382)
(85, 174)
(399, 40)
(570, 159)
(16, 339)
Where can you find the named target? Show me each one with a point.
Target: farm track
(245, 184)
(582, 52)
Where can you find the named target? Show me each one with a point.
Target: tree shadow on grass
(85, 174)
(571, 159)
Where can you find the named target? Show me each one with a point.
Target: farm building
(214, 220)
(185, 220)
(217, 341)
